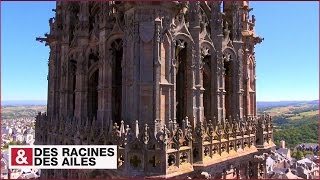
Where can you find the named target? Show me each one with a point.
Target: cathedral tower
(171, 83)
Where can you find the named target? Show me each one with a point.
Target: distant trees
(295, 132)
(297, 154)
(305, 153)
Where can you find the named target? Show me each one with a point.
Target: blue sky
(287, 60)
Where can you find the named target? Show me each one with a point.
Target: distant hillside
(27, 111)
(294, 121)
(270, 104)
(23, 102)
(260, 104)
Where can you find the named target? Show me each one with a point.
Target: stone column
(106, 110)
(246, 82)
(173, 102)
(69, 90)
(157, 69)
(124, 68)
(254, 104)
(223, 93)
(51, 81)
(239, 80)
(197, 85)
(81, 84)
(219, 90)
(63, 82)
(136, 65)
(100, 91)
(57, 79)
(101, 113)
(197, 89)
(217, 34)
(214, 104)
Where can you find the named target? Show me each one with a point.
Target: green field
(306, 114)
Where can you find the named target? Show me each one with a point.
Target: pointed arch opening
(207, 85)
(93, 94)
(181, 80)
(73, 67)
(117, 53)
(228, 82)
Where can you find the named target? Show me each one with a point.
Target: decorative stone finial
(137, 129)
(122, 130)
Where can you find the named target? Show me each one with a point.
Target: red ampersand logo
(21, 156)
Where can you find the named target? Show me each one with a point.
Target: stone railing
(155, 149)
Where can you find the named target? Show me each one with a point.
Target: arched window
(93, 94)
(228, 82)
(181, 80)
(207, 86)
(117, 53)
(73, 66)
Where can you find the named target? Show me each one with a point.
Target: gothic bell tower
(172, 84)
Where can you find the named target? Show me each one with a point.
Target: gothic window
(73, 64)
(93, 95)
(117, 52)
(207, 86)
(228, 78)
(181, 80)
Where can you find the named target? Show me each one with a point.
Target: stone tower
(171, 83)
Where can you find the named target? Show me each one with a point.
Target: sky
(287, 59)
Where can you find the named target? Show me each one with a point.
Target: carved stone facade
(171, 83)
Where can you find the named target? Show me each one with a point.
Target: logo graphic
(63, 156)
(21, 156)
